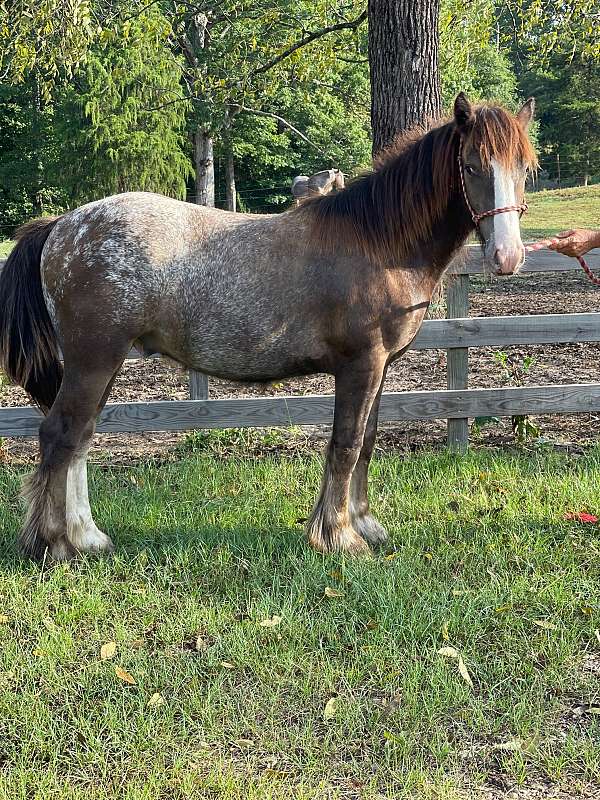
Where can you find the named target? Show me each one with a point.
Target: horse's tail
(29, 350)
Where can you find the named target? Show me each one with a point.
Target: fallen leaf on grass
(4, 619)
(449, 652)
(271, 622)
(108, 650)
(156, 700)
(545, 625)
(452, 652)
(597, 635)
(520, 745)
(445, 634)
(512, 745)
(124, 675)
(329, 710)
(330, 592)
(227, 665)
(581, 516)
(464, 672)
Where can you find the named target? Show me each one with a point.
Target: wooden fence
(457, 404)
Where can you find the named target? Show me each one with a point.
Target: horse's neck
(433, 254)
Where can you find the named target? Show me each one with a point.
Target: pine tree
(121, 122)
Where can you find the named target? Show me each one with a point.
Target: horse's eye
(470, 170)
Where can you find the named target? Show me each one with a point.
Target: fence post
(457, 301)
(198, 386)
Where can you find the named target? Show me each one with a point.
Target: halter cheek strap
(475, 215)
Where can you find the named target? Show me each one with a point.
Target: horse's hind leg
(81, 530)
(362, 520)
(330, 525)
(58, 518)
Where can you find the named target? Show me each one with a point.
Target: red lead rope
(546, 242)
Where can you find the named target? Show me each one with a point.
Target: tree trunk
(205, 168)
(586, 177)
(230, 181)
(403, 59)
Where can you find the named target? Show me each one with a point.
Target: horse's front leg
(363, 521)
(330, 525)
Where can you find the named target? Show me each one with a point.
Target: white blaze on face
(507, 231)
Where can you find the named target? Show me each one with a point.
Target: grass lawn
(253, 668)
(561, 209)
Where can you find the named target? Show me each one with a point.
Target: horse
(320, 183)
(339, 285)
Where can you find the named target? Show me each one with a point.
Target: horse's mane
(384, 212)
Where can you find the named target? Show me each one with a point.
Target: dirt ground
(553, 293)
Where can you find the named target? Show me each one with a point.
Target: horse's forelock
(498, 135)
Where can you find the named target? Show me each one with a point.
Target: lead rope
(546, 242)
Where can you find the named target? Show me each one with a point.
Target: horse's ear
(525, 115)
(463, 112)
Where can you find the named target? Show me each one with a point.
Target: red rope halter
(521, 209)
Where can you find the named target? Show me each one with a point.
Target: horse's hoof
(371, 530)
(339, 540)
(93, 542)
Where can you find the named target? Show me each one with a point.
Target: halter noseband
(477, 217)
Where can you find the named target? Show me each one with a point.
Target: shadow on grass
(206, 546)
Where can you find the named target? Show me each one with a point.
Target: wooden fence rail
(456, 334)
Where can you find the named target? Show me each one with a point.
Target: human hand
(576, 242)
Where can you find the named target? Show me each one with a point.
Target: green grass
(6, 245)
(210, 547)
(558, 210)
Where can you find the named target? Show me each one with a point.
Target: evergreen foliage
(103, 96)
(121, 123)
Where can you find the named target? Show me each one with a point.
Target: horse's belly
(253, 368)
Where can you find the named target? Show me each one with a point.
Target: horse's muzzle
(504, 260)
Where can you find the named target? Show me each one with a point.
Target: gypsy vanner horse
(338, 285)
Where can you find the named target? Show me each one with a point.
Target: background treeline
(118, 95)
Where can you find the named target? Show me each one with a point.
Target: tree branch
(310, 37)
(237, 109)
